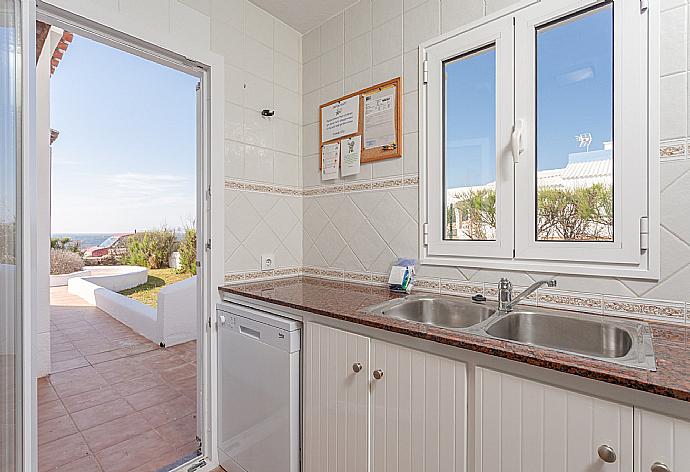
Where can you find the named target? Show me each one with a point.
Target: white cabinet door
(663, 440)
(526, 426)
(419, 411)
(336, 400)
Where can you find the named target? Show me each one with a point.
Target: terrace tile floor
(114, 401)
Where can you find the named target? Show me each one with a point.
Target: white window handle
(516, 140)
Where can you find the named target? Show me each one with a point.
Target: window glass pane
(575, 128)
(470, 146)
(10, 347)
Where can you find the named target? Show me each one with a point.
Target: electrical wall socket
(268, 262)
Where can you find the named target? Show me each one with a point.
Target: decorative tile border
(673, 150)
(346, 187)
(323, 190)
(462, 288)
(379, 279)
(410, 181)
(231, 184)
(590, 303)
(357, 187)
(240, 277)
(643, 308)
(427, 285)
(334, 274)
(362, 277)
(639, 308)
(287, 272)
(363, 186)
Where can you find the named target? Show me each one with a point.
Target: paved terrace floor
(115, 401)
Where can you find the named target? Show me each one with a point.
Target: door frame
(116, 30)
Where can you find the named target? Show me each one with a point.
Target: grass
(158, 278)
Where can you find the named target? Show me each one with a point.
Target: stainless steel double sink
(624, 342)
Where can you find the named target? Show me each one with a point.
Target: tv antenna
(584, 140)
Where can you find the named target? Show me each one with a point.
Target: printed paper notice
(340, 119)
(379, 118)
(330, 161)
(351, 149)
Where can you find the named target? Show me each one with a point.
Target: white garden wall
(177, 316)
(118, 278)
(61, 280)
(175, 321)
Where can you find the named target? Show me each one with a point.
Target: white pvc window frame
(636, 135)
(629, 136)
(499, 35)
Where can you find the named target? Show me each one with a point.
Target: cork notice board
(379, 126)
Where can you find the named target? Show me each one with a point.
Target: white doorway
(204, 346)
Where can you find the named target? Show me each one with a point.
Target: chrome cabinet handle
(356, 367)
(607, 454)
(378, 374)
(660, 467)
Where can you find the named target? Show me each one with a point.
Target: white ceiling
(304, 15)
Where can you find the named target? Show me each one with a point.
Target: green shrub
(151, 249)
(66, 244)
(63, 261)
(478, 207)
(188, 252)
(584, 213)
(563, 214)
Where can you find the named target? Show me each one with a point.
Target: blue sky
(126, 155)
(574, 95)
(471, 119)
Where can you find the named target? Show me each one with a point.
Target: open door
(205, 291)
(200, 346)
(177, 392)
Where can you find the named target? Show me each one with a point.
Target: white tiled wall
(259, 223)
(262, 72)
(365, 230)
(674, 75)
(262, 60)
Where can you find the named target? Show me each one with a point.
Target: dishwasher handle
(252, 333)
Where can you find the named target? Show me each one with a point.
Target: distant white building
(584, 169)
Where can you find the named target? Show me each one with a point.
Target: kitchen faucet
(506, 302)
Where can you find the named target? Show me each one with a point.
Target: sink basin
(579, 335)
(623, 342)
(437, 311)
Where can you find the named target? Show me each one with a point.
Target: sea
(86, 240)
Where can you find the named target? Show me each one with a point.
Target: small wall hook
(267, 112)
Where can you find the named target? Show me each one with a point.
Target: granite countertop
(347, 301)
